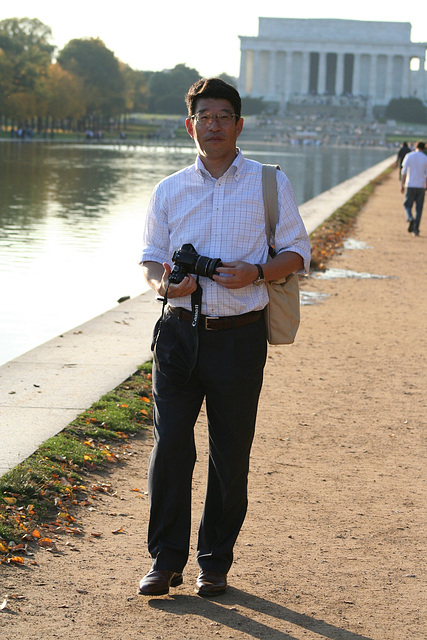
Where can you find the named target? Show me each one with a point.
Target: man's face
(215, 139)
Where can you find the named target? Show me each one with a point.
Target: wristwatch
(260, 278)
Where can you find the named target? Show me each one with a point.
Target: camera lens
(207, 266)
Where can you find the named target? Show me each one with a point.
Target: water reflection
(71, 221)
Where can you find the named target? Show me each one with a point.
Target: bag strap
(271, 203)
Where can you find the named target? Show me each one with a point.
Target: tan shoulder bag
(282, 314)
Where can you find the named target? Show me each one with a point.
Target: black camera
(187, 260)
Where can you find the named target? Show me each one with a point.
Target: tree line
(84, 86)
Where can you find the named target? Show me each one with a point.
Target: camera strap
(196, 305)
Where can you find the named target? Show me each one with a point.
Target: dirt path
(334, 542)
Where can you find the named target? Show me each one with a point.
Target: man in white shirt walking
(211, 348)
(414, 178)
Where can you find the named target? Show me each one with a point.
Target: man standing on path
(414, 178)
(216, 205)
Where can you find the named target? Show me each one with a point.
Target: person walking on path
(217, 206)
(414, 179)
(404, 149)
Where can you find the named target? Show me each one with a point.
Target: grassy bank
(39, 498)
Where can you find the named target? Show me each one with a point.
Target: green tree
(229, 79)
(99, 70)
(407, 110)
(168, 89)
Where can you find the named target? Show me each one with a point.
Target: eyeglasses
(222, 119)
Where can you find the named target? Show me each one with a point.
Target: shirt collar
(234, 169)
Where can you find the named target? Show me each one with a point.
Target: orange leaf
(144, 411)
(10, 501)
(16, 560)
(36, 534)
(118, 531)
(145, 399)
(47, 543)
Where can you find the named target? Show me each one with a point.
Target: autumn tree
(25, 56)
(136, 90)
(65, 99)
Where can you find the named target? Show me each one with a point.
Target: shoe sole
(210, 594)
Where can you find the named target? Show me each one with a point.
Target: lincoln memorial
(302, 60)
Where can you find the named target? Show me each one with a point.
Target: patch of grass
(39, 494)
(328, 239)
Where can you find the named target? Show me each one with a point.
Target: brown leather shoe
(211, 583)
(157, 583)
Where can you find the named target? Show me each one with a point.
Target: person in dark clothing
(404, 149)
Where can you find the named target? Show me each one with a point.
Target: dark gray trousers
(228, 373)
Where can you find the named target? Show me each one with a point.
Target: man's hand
(157, 275)
(184, 288)
(236, 275)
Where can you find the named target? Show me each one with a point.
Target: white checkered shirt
(223, 219)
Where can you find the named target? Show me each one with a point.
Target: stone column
(373, 77)
(389, 79)
(305, 80)
(243, 81)
(321, 84)
(421, 93)
(356, 75)
(339, 79)
(272, 88)
(288, 76)
(405, 79)
(255, 82)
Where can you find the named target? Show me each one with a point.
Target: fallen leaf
(46, 542)
(117, 531)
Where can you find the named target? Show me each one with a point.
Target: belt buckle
(207, 320)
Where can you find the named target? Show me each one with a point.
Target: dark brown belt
(216, 323)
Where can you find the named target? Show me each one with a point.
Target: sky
(158, 35)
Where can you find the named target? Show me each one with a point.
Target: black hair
(213, 88)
